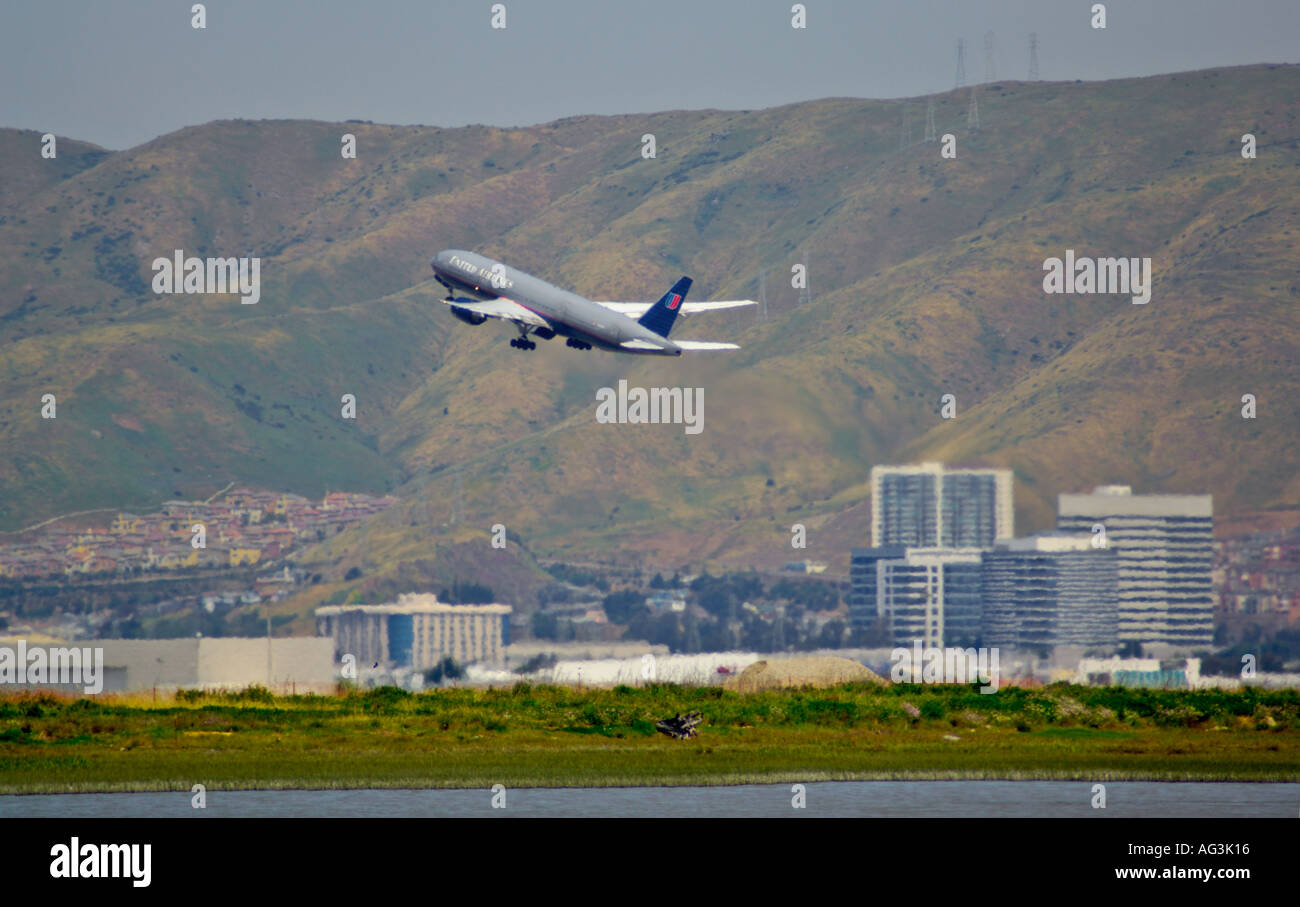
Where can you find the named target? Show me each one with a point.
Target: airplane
(479, 288)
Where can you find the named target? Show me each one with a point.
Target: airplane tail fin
(660, 316)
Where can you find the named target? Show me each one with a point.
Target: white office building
(925, 506)
(417, 631)
(1050, 590)
(927, 594)
(1164, 553)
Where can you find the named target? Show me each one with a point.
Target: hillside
(926, 275)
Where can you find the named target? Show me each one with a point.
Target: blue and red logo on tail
(660, 316)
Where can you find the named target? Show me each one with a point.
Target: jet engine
(468, 316)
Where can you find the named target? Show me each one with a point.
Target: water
(879, 799)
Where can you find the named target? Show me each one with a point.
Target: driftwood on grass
(680, 726)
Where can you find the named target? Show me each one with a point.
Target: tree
(691, 636)
(870, 637)
(554, 593)
(662, 630)
(812, 595)
(1131, 649)
(544, 625)
(756, 634)
(714, 636)
(467, 594)
(832, 636)
(624, 605)
(447, 669)
(538, 662)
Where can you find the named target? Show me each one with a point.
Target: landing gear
(522, 342)
(577, 344)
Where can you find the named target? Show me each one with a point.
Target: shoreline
(690, 782)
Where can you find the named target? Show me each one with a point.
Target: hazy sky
(120, 72)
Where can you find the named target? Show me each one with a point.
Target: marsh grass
(530, 736)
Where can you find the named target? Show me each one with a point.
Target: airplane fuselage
(474, 277)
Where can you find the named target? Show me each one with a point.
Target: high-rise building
(864, 606)
(417, 631)
(1050, 590)
(927, 506)
(1164, 549)
(927, 594)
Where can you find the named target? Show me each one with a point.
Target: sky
(121, 72)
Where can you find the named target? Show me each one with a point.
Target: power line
(1033, 56)
(931, 134)
(990, 66)
(973, 115)
(961, 64)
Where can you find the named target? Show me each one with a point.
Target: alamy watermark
(75, 860)
(209, 275)
(1130, 276)
(655, 405)
(53, 665)
(930, 664)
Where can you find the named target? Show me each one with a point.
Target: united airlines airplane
(479, 288)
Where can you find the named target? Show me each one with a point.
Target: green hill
(926, 276)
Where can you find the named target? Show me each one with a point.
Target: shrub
(933, 708)
(254, 693)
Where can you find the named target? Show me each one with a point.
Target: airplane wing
(692, 345)
(637, 309)
(705, 345)
(501, 307)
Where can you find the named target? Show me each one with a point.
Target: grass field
(531, 736)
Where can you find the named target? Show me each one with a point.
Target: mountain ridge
(926, 277)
